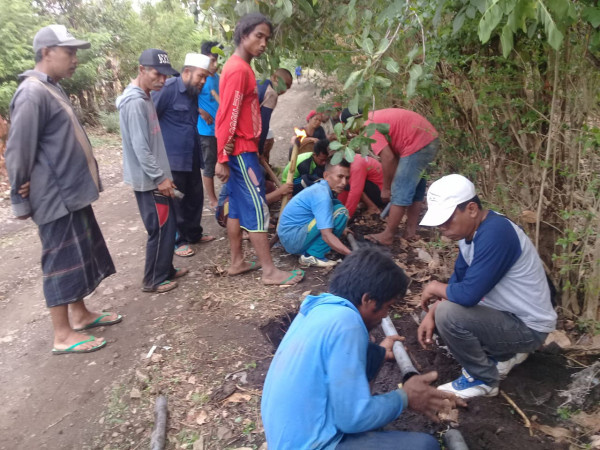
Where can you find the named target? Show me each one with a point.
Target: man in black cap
(54, 179)
(146, 168)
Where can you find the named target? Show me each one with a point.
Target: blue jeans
(408, 185)
(314, 244)
(479, 336)
(388, 440)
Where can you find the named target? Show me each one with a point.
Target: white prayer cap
(197, 60)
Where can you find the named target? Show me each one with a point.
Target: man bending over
(316, 394)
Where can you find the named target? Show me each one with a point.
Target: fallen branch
(519, 411)
(159, 435)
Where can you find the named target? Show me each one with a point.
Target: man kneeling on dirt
(316, 393)
(496, 308)
(313, 221)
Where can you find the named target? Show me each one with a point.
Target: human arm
(433, 290)
(427, 327)
(166, 188)
(135, 117)
(222, 171)
(353, 407)
(27, 119)
(388, 344)
(279, 193)
(427, 400)
(265, 118)
(389, 164)
(496, 247)
(358, 176)
(231, 99)
(334, 242)
(205, 116)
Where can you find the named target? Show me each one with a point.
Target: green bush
(110, 122)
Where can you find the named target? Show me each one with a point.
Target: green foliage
(110, 122)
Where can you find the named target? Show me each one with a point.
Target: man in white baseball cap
(177, 109)
(496, 307)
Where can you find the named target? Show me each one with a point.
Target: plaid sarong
(75, 258)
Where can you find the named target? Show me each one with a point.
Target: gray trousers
(479, 336)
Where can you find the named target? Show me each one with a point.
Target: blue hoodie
(316, 389)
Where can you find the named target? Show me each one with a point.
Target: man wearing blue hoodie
(146, 168)
(316, 394)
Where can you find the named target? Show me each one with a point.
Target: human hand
(166, 188)
(24, 190)
(205, 116)
(286, 189)
(388, 344)
(424, 398)
(386, 195)
(222, 171)
(229, 147)
(425, 330)
(432, 291)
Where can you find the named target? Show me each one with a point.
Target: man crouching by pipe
(316, 394)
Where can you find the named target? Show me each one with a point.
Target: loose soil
(213, 338)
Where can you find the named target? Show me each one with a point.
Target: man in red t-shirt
(412, 146)
(237, 128)
(366, 182)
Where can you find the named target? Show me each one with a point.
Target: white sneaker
(506, 366)
(306, 261)
(466, 386)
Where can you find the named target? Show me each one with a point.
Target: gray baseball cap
(56, 35)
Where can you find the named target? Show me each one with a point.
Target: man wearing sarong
(54, 179)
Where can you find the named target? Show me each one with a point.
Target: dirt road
(60, 402)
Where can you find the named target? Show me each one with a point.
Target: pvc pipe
(454, 440)
(407, 369)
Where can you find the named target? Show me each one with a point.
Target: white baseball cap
(56, 36)
(444, 196)
(197, 60)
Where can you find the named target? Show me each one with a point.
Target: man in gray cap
(54, 179)
(146, 169)
(177, 108)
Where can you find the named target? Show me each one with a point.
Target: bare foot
(243, 268)
(93, 319)
(370, 212)
(380, 238)
(283, 278)
(74, 338)
(413, 238)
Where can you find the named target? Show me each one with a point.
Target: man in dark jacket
(54, 179)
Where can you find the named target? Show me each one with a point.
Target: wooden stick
(270, 172)
(518, 410)
(290, 174)
(215, 95)
(159, 435)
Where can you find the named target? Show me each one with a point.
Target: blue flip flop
(73, 348)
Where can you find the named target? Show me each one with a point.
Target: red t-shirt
(363, 168)
(238, 116)
(409, 131)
